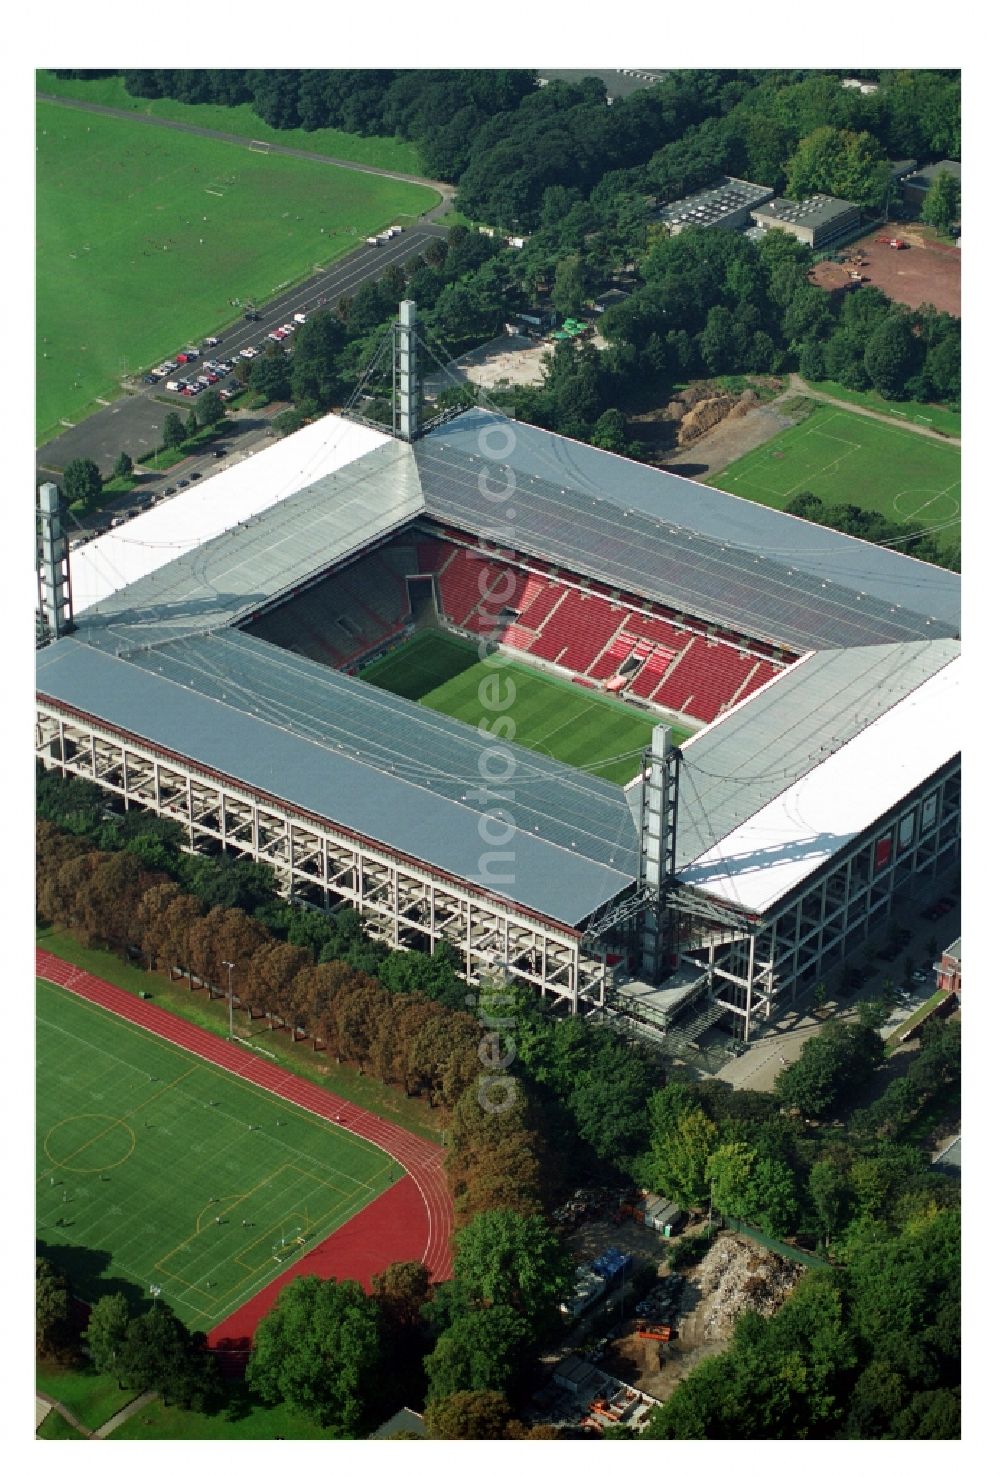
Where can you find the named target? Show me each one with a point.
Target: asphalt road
(134, 422)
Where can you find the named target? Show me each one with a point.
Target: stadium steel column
(55, 595)
(405, 374)
(658, 856)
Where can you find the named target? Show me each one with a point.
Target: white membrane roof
(827, 808)
(202, 512)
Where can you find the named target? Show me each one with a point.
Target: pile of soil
(738, 1277)
(702, 406)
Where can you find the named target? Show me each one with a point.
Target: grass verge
(937, 1002)
(936, 417)
(241, 1420)
(195, 1006)
(93, 1398)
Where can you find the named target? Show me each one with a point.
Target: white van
(298, 317)
(173, 385)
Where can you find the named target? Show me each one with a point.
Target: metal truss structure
(402, 902)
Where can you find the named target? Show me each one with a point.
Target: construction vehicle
(893, 242)
(662, 1333)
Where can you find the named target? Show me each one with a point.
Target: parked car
(195, 476)
(288, 327)
(182, 482)
(210, 343)
(149, 379)
(299, 317)
(251, 316)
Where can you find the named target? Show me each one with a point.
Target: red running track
(412, 1221)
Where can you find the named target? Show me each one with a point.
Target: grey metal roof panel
(732, 769)
(284, 546)
(691, 546)
(358, 769)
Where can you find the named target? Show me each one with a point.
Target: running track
(410, 1221)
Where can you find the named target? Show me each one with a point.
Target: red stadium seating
(576, 633)
(542, 605)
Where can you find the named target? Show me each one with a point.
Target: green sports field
(146, 235)
(845, 458)
(149, 1171)
(578, 727)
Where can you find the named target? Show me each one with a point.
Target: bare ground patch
(735, 1276)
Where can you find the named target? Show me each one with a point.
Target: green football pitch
(846, 458)
(568, 722)
(148, 1169)
(145, 236)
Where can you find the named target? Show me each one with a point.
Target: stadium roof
(692, 547)
(362, 759)
(880, 626)
(816, 757)
(190, 519)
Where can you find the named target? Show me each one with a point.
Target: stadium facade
(208, 674)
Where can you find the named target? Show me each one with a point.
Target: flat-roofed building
(916, 184)
(818, 220)
(726, 205)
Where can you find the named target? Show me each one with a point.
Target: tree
(158, 1353)
(53, 1331)
(401, 1291)
(506, 1260)
(82, 482)
(569, 287)
(890, 355)
(173, 430)
(191, 424)
(611, 433)
(286, 422)
(210, 408)
(942, 203)
(771, 1198)
(106, 1331)
(270, 375)
(318, 1348)
(679, 1159)
(483, 1349)
(729, 1170)
(316, 378)
(123, 466)
(481, 1415)
(830, 1195)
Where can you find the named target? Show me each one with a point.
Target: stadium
(662, 753)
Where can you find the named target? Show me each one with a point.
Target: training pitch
(561, 719)
(846, 458)
(148, 1169)
(146, 236)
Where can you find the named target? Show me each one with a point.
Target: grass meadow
(146, 238)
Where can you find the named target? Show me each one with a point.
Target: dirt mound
(738, 1277)
(700, 407)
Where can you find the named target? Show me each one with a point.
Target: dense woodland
(836, 1157)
